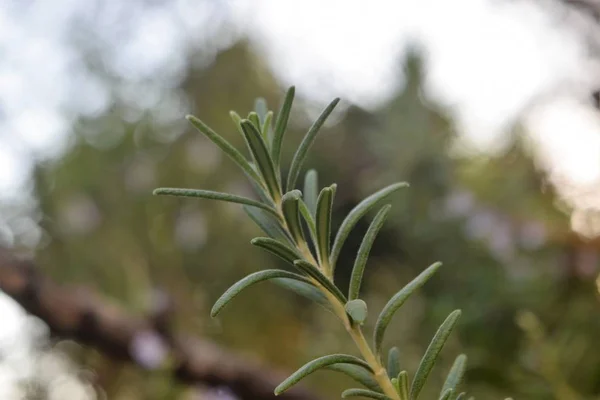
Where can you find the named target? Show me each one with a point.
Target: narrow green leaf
(208, 194)
(447, 394)
(281, 125)
(456, 374)
(363, 252)
(281, 250)
(253, 117)
(268, 223)
(357, 213)
(308, 218)
(395, 384)
(237, 120)
(393, 362)
(432, 353)
(290, 209)
(357, 310)
(261, 156)
(311, 190)
(323, 227)
(224, 145)
(306, 143)
(359, 374)
(396, 302)
(403, 385)
(316, 274)
(461, 396)
(250, 280)
(260, 108)
(364, 393)
(266, 130)
(319, 363)
(307, 290)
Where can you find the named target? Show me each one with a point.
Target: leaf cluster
(297, 225)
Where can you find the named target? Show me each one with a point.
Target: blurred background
(487, 108)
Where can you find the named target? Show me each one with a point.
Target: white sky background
(492, 62)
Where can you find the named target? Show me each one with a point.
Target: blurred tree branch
(79, 314)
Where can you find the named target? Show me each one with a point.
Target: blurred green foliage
(505, 246)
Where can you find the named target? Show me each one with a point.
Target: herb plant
(292, 221)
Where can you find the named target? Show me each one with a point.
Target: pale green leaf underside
(281, 250)
(359, 374)
(317, 275)
(311, 190)
(250, 280)
(304, 289)
(210, 195)
(317, 364)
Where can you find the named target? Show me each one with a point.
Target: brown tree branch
(79, 314)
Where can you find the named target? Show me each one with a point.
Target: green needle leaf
(227, 148)
(306, 143)
(237, 120)
(357, 310)
(279, 249)
(432, 353)
(403, 385)
(456, 374)
(267, 132)
(261, 156)
(311, 190)
(364, 393)
(393, 362)
(357, 213)
(290, 209)
(208, 194)
(447, 394)
(253, 117)
(363, 252)
(260, 107)
(307, 290)
(317, 364)
(281, 125)
(308, 218)
(323, 227)
(250, 280)
(359, 374)
(268, 223)
(316, 274)
(396, 302)
(461, 396)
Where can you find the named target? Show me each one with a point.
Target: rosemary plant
(291, 219)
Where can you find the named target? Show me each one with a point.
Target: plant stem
(354, 330)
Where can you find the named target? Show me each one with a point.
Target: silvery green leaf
(317, 364)
(250, 280)
(281, 250)
(305, 145)
(281, 125)
(393, 362)
(363, 252)
(364, 393)
(224, 145)
(262, 158)
(268, 223)
(208, 194)
(291, 214)
(456, 374)
(253, 117)
(432, 352)
(403, 385)
(357, 213)
(305, 289)
(359, 374)
(323, 227)
(396, 302)
(260, 108)
(316, 274)
(357, 310)
(461, 396)
(266, 130)
(308, 218)
(237, 120)
(447, 395)
(311, 190)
